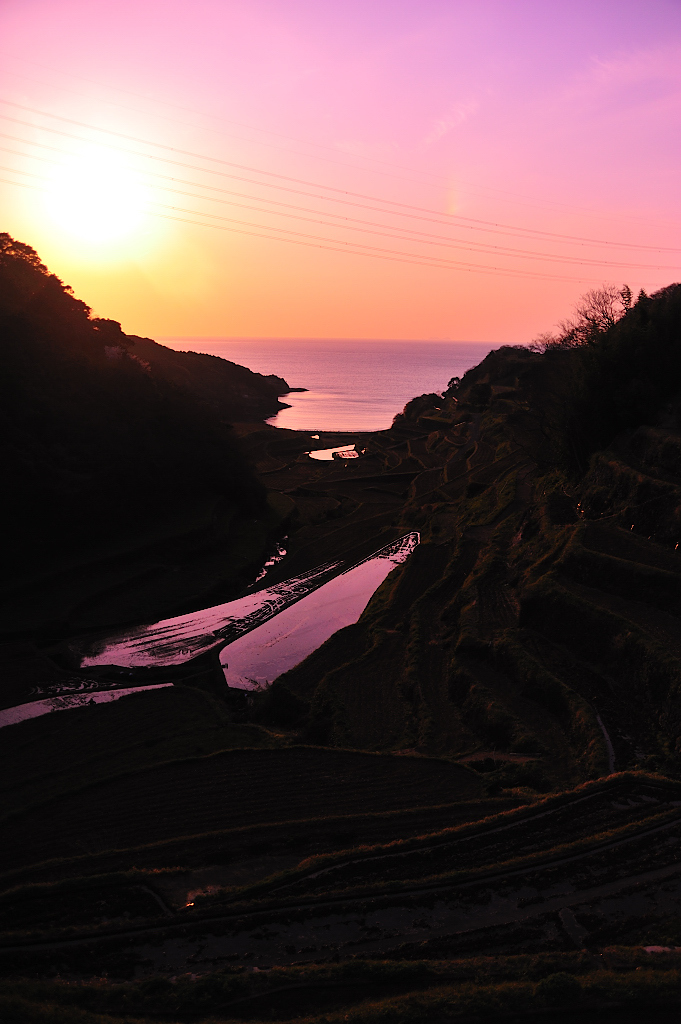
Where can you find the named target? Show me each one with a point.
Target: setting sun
(96, 198)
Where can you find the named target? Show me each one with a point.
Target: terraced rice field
(503, 885)
(228, 790)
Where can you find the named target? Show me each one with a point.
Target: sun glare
(96, 198)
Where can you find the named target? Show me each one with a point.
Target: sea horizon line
(281, 338)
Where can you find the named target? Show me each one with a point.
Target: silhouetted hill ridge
(107, 438)
(233, 390)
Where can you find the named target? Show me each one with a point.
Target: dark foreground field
(556, 904)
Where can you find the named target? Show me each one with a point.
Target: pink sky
(438, 150)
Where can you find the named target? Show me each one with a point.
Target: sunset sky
(375, 169)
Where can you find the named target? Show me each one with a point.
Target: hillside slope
(233, 391)
(535, 631)
(118, 459)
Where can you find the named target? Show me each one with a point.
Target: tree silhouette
(598, 310)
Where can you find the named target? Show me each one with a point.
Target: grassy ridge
(606, 823)
(305, 837)
(563, 826)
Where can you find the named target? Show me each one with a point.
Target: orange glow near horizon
(425, 171)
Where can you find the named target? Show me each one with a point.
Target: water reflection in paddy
(327, 454)
(183, 637)
(264, 633)
(258, 657)
(36, 708)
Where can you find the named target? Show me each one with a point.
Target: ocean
(352, 384)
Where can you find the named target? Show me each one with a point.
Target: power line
(358, 225)
(380, 254)
(146, 156)
(338, 246)
(437, 180)
(398, 207)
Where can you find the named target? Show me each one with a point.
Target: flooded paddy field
(262, 634)
(259, 656)
(67, 702)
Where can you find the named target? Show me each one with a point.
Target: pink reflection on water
(257, 658)
(326, 454)
(36, 708)
(177, 640)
